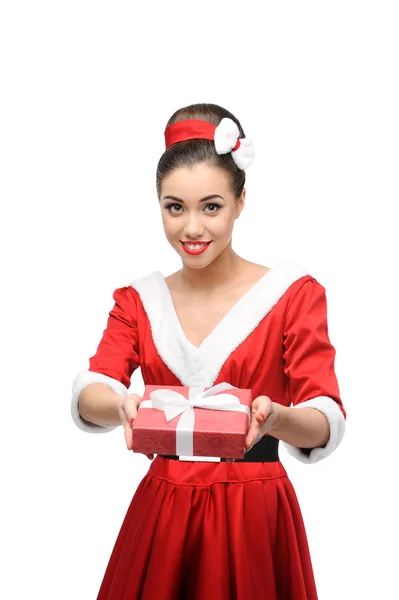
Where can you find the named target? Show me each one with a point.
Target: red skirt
(211, 531)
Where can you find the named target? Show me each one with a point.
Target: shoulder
(125, 298)
(130, 293)
(147, 284)
(290, 276)
(305, 296)
(130, 299)
(293, 287)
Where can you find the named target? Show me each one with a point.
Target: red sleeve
(117, 353)
(309, 355)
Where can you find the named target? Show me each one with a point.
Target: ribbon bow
(173, 404)
(226, 140)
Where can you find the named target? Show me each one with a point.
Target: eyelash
(169, 206)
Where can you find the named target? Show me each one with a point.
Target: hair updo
(191, 152)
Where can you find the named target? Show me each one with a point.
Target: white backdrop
(87, 88)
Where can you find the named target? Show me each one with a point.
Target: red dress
(213, 530)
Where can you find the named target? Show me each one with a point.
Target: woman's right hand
(127, 412)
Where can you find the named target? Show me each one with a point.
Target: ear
(240, 203)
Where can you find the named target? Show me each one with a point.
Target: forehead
(200, 180)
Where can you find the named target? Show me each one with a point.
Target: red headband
(191, 129)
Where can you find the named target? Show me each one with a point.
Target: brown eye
(169, 206)
(217, 206)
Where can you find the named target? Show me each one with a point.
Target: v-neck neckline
(229, 316)
(201, 365)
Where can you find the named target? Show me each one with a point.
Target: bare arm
(312, 428)
(99, 404)
(305, 428)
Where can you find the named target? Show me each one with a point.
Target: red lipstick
(195, 252)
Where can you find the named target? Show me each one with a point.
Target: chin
(197, 267)
(194, 264)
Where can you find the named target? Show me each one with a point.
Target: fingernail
(131, 421)
(262, 415)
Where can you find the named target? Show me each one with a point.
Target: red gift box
(196, 427)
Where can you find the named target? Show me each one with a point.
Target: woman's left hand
(263, 418)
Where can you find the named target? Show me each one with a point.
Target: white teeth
(194, 246)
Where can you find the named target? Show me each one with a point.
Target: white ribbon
(173, 404)
(226, 136)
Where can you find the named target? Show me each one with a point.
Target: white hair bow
(226, 137)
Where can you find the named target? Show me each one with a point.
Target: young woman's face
(198, 205)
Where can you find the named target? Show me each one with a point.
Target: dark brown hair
(191, 152)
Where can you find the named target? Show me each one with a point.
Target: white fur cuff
(83, 379)
(336, 420)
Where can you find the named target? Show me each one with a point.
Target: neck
(223, 270)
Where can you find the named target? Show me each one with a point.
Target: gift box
(192, 421)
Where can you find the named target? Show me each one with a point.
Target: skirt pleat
(211, 531)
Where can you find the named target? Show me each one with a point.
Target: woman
(215, 529)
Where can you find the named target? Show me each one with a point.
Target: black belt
(266, 450)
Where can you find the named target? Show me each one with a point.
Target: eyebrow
(176, 199)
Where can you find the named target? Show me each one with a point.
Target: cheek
(166, 220)
(224, 225)
(170, 226)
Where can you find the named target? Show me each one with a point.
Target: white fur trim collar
(201, 366)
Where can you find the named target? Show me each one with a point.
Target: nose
(193, 228)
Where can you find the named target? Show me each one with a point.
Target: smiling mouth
(195, 248)
(195, 245)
